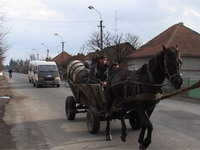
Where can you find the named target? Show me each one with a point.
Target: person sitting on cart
(113, 69)
(86, 72)
(95, 60)
(99, 72)
(114, 66)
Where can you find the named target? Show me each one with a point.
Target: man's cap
(87, 63)
(102, 57)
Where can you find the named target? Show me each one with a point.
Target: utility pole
(101, 33)
(101, 27)
(47, 50)
(36, 54)
(47, 54)
(63, 45)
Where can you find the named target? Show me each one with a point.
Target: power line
(51, 21)
(147, 4)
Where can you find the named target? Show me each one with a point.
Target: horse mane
(141, 69)
(156, 60)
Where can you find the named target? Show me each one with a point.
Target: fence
(187, 81)
(196, 92)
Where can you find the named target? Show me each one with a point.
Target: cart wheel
(70, 107)
(134, 121)
(93, 120)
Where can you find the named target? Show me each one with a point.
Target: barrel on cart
(90, 99)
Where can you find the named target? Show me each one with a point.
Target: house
(62, 57)
(115, 53)
(79, 56)
(188, 42)
(118, 53)
(60, 60)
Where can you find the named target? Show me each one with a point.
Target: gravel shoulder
(6, 141)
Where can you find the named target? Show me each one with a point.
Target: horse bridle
(166, 72)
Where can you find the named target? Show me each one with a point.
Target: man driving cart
(99, 73)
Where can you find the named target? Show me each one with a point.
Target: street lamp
(36, 54)
(101, 26)
(63, 44)
(47, 50)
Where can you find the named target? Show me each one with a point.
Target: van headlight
(57, 78)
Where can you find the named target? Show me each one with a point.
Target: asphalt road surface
(37, 117)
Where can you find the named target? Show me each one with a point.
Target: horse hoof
(108, 138)
(142, 147)
(123, 138)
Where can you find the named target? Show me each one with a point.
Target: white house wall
(135, 63)
(189, 69)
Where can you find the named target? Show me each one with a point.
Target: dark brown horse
(124, 84)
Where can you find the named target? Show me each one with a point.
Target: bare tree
(122, 45)
(32, 56)
(133, 40)
(117, 47)
(94, 42)
(3, 46)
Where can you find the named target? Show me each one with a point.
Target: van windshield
(47, 68)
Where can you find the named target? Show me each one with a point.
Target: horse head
(172, 65)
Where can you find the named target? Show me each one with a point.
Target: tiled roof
(58, 58)
(110, 51)
(79, 56)
(91, 55)
(187, 40)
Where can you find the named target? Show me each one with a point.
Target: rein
(135, 82)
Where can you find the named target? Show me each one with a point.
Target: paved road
(39, 123)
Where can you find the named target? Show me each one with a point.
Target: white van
(44, 73)
(30, 69)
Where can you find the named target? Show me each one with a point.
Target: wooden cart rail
(89, 94)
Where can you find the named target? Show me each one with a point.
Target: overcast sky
(32, 22)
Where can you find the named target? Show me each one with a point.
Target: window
(47, 68)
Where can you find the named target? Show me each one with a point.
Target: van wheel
(58, 85)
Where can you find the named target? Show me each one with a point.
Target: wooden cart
(90, 98)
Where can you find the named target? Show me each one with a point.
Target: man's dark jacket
(98, 73)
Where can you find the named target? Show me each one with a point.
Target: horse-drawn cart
(145, 86)
(90, 99)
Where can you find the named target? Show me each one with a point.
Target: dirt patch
(6, 141)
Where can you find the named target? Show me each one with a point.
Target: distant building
(118, 53)
(62, 57)
(115, 53)
(60, 60)
(79, 56)
(188, 42)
